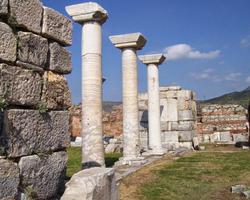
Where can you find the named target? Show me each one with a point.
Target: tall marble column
(129, 44)
(91, 16)
(152, 62)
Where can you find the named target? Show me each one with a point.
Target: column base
(131, 161)
(155, 152)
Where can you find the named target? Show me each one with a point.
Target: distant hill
(241, 98)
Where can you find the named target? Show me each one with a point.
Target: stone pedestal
(129, 44)
(152, 62)
(91, 16)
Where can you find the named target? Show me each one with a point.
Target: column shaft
(130, 104)
(92, 130)
(154, 107)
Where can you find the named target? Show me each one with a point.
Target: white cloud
(232, 76)
(185, 51)
(245, 42)
(248, 79)
(203, 75)
(211, 75)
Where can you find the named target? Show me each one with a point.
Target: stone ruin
(178, 118)
(222, 124)
(34, 98)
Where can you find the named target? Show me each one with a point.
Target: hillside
(241, 98)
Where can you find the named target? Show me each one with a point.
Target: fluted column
(152, 62)
(91, 16)
(129, 44)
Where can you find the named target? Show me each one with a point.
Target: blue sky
(207, 44)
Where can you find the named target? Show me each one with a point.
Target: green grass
(74, 160)
(201, 176)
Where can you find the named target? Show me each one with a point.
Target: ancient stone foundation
(178, 118)
(222, 123)
(34, 98)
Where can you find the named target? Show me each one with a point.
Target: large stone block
(240, 138)
(3, 7)
(56, 93)
(171, 136)
(8, 43)
(183, 126)
(57, 26)
(60, 59)
(19, 86)
(186, 136)
(92, 184)
(26, 14)
(29, 131)
(32, 48)
(9, 179)
(169, 111)
(44, 174)
(186, 115)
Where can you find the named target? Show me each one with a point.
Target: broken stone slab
(19, 86)
(215, 137)
(29, 131)
(4, 7)
(32, 49)
(26, 14)
(60, 59)
(246, 194)
(9, 179)
(55, 93)
(8, 43)
(56, 26)
(96, 183)
(44, 174)
(238, 188)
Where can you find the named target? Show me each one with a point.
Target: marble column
(152, 61)
(129, 44)
(91, 16)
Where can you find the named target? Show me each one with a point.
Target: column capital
(85, 12)
(152, 59)
(131, 40)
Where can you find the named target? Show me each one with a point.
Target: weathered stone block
(9, 179)
(215, 137)
(26, 14)
(185, 115)
(56, 93)
(3, 7)
(171, 136)
(28, 131)
(32, 48)
(95, 183)
(57, 26)
(183, 126)
(19, 86)
(240, 138)
(8, 43)
(225, 137)
(60, 59)
(44, 174)
(186, 136)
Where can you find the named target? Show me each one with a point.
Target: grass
(201, 176)
(74, 160)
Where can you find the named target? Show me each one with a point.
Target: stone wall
(112, 121)
(178, 117)
(222, 123)
(34, 99)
